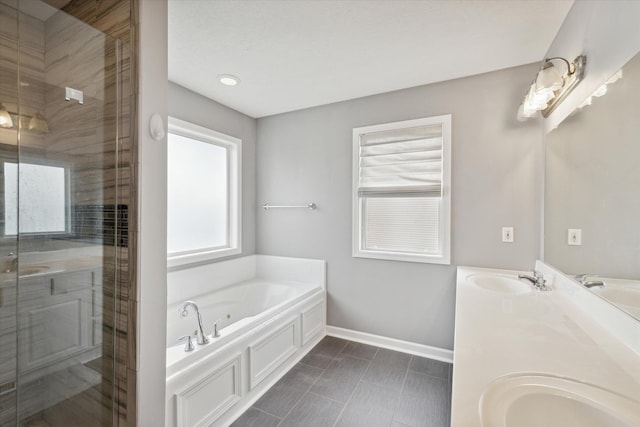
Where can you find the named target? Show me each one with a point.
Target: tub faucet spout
(201, 336)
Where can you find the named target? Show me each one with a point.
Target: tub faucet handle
(216, 331)
(189, 345)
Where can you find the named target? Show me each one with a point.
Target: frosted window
(42, 200)
(198, 195)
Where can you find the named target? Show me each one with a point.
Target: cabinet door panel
(69, 282)
(53, 331)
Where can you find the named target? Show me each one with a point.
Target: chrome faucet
(11, 263)
(593, 283)
(583, 279)
(537, 280)
(200, 335)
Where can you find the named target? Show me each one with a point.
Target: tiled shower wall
(102, 157)
(116, 194)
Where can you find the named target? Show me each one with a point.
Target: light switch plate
(574, 237)
(507, 234)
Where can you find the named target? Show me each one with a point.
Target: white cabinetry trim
(202, 402)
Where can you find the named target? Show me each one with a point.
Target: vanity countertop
(35, 264)
(499, 334)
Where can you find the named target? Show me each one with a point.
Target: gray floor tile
(321, 361)
(362, 351)
(310, 394)
(256, 418)
(425, 385)
(329, 346)
(370, 406)
(390, 375)
(340, 378)
(435, 368)
(323, 353)
(286, 393)
(430, 408)
(390, 357)
(313, 411)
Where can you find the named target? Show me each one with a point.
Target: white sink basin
(620, 294)
(500, 283)
(625, 297)
(531, 400)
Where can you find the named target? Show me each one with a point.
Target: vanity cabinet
(58, 316)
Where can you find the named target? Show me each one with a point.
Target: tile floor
(347, 384)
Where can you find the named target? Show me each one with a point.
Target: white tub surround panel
(187, 283)
(504, 332)
(291, 270)
(268, 353)
(265, 351)
(219, 385)
(269, 320)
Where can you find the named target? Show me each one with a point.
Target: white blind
(402, 224)
(401, 161)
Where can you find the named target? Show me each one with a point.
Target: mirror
(592, 185)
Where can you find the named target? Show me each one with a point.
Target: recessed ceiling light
(228, 79)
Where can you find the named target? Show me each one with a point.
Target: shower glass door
(58, 218)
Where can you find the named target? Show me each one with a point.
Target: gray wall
(305, 156)
(192, 107)
(592, 178)
(605, 31)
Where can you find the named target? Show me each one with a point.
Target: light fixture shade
(536, 101)
(5, 118)
(617, 76)
(38, 124)
(523, 115)
(549, 79)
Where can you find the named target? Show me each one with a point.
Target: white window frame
(444, 256)
(234, 170)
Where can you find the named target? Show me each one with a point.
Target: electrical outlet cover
(507, 234)
(574, 237)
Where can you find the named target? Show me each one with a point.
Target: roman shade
(401, 162)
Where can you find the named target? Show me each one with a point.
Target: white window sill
(406, 257)
(192, 258)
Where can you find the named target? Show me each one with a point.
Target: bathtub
(266, 322)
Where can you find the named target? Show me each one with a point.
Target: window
(38, 195)
(402, 191)
(203, 194)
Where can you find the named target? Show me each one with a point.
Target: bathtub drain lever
(216, 332)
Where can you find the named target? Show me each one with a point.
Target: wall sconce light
(5, 118)
(551, 87)
(602, 90)
(36, 123)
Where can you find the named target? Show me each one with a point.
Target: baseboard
(422, 350)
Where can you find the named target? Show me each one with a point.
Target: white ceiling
(294, 54)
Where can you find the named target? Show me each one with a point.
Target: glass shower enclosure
(59, 218)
